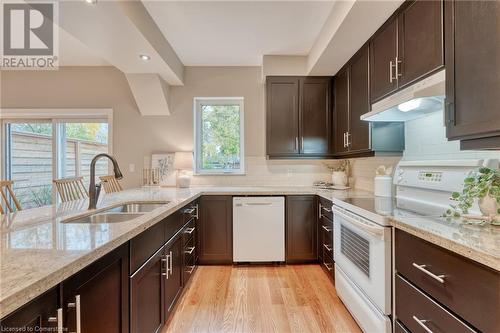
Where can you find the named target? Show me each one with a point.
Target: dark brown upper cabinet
(352, 135)
(408, 47)
(472, 73)
(215, 230)
(299, 121)
(301, 228)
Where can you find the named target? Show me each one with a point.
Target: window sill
(220, 174)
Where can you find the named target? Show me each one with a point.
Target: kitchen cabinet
(472, 72)
(96, 299)
(301, 228)
(215, 230)
(408, 47)
(325, 236)
(41, 314)
(352, 135)
(146, 294)
(173, 278)
(299, 117)
(462, 287)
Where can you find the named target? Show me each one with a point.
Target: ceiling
(231, 33)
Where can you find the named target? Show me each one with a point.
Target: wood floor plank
(248, 299)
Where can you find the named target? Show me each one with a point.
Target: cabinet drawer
(327, 264)
(189, 230)
(421, 314)
(326, 230)
(144, 245)
(190, 211)
(325, 209)
(467, 288)
(327, 247)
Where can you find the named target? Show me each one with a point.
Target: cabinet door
(341, 112)
(34, 316)
(173, 279)
(301, 228)
(146, 298)
(96, 298)
(383, 53)
(420, 34)
(359, 103)
(315, 116)
(282, 116)
(215, 230)
(472, 68)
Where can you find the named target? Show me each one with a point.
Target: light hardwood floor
(294, 298)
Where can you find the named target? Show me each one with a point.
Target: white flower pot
(339, 178)
(488, 205)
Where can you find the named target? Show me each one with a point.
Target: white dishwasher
(258, 229)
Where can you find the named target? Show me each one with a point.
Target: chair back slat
(110, 184)
(70, 189)
(6, 192)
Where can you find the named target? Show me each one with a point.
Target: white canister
(383, 186)
(339, 178)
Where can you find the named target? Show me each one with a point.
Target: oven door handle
(374, 230)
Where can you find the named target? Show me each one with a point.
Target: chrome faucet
(95, 190)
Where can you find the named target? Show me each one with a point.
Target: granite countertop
(480, 243)
(38, 251)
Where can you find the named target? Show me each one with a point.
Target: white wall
(426, 139)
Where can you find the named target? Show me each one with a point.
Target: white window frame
(198, 102)
(54, 116)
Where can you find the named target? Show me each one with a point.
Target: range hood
(412, 102)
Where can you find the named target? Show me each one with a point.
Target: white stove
(363, 236)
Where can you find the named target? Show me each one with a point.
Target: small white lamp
(183, 161)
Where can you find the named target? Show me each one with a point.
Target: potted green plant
(482, 185)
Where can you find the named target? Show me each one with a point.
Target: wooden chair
(5, 192)
(70, 189)
(110, 184)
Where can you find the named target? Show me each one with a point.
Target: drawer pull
(190, 250)
(189, 211)
(422, 322)
(189, 230)
(329, 248)
(58, 319)
(326, 228)
(328, 266)
(190, 271)
(421, 268)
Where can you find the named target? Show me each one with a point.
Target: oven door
(363, 252)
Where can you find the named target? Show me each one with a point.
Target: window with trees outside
(219, 146)
(36, 151)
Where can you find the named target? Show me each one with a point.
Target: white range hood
(413, 102)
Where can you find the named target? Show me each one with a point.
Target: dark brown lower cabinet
(146, 295)
(215, 230)
(301, 228)
(96, 299)
(173, 278)
(36, 316)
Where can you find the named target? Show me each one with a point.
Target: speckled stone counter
(480, 243)
(38, 251)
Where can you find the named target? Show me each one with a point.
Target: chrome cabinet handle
(326, 209)
(326, 228)
(167, 260)
(197, 210)
(190, 251)
(348, 139)
(190, 271)
(398, 74)
(391, 65)
(189, 230)
(77, 306)
(296, 143)
(422, 322)
(164, 272)
(189, 210)
(329, 248)
(302, 142)
(328, 266)
(421, 268)
(58, 319)
(320, 210)
(345, 141)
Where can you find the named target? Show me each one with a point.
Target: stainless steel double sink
(116, 214)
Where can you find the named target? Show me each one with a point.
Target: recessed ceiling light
(144, 57)
(92, 2)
